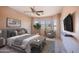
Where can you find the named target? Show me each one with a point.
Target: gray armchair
(51, 34)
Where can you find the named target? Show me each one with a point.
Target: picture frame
(10, 22)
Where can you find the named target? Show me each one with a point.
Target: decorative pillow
(10, 34)
(22, 31)
(16, 32)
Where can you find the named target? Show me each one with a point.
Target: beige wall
(71, 44)
(75, 12)
(8, 12)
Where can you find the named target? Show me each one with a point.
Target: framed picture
(13, 22)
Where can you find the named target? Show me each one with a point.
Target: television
(68, 23)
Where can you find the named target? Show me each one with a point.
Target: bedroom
(17, 20)
(37, 29)
(45, 21)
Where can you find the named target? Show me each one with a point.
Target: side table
(2, 42)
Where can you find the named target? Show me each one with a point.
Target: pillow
(16, 32)
(10, 34)
(24, 30)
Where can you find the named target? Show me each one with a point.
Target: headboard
(12, 32)
(6, 33)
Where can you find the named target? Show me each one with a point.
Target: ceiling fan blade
(37, 14)
(39, 11)
(33, 10)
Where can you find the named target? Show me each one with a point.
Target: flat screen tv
(68, 23)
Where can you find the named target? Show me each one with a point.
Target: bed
(22, 42)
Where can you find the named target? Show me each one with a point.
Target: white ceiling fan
(34, 11)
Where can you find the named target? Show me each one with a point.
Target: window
(47, 24)
(54, 24)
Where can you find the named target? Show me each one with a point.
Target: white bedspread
(26, 42)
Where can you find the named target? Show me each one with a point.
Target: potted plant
(37, 26)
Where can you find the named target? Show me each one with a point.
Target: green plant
(37, 26)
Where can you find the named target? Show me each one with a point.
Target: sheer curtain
(47, 24)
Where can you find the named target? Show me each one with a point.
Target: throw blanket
(18, 41)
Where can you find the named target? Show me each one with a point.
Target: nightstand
(2, 42)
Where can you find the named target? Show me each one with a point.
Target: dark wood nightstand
(2, 42)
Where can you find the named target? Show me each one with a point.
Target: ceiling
(48, 10)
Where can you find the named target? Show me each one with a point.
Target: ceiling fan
(34, 11)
